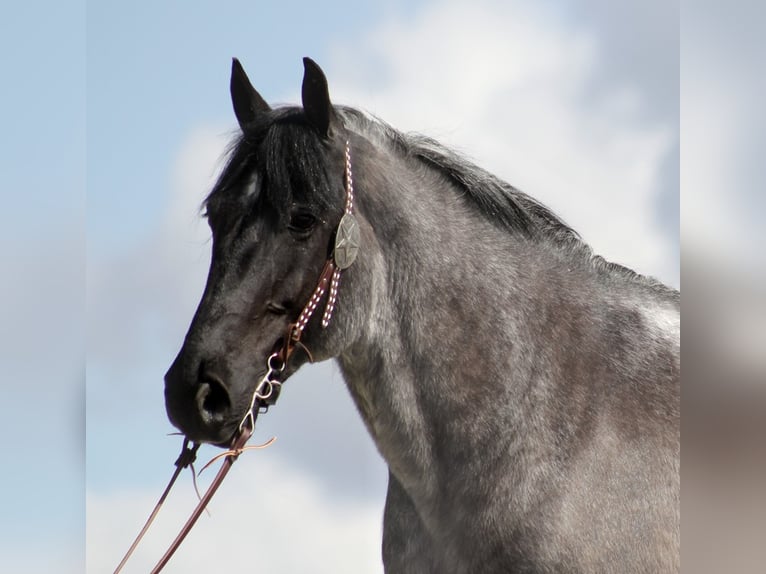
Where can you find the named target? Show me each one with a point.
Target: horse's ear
(316, 98)
(247, 102)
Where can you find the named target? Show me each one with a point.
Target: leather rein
(266, 392)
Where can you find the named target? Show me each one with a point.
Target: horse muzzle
(200, 404)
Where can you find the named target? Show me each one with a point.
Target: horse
(523, 391)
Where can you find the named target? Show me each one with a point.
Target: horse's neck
(480, 351)
(430, 372)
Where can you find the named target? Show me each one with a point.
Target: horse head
(274, 214)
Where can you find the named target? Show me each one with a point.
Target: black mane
(499, 201)
(283, 148)
(279, 145)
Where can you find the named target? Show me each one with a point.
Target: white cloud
(193, 174)
(266, 517)
(515, 86)
(165, 275)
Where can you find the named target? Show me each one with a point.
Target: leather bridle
(266, 392)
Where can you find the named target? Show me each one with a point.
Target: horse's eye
(302, 221)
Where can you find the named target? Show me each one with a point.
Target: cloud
(267, 515)
(163, 277)
(520, 89)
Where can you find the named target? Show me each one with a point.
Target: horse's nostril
(213, 401)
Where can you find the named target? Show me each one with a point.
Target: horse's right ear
(247, 102)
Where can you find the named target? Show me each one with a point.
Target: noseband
(266, 392)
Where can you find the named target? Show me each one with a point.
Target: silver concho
(346, 241)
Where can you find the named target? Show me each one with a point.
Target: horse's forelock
(288, 157)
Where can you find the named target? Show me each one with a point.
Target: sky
(42, 286)
(128, 104)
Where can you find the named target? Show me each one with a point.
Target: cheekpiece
(347, 241)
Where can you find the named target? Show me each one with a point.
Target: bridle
(266, 392)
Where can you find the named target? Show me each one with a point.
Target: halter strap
(344, 253)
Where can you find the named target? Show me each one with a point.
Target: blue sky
(118, 119)
(42, 162)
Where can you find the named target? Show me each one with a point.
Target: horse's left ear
(316, 98)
